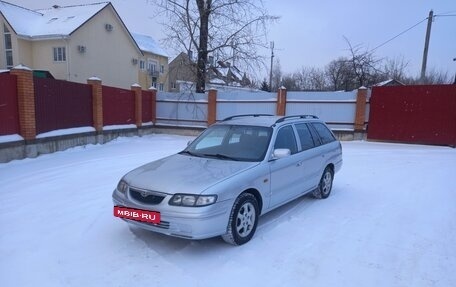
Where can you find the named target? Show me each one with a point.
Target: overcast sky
(311, 33)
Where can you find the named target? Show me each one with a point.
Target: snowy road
(391, 221)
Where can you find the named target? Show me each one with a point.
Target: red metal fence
(9, 115)
(61, 105)
(118, 106)
(414, 114)
(146, 106)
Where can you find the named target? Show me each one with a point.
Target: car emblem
(144, 194)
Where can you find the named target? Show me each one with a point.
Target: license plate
(137, 214)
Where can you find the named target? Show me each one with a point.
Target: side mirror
(281, 153)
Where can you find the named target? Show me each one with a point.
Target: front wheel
(243, 220)
(324, 187)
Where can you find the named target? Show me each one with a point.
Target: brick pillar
(138, 104)
(360, 113)
(153, 101)
(25, 101)
(97, 103)
(211, 107)
(281, 101)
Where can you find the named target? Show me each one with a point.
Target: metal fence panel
(182, 109)
(414, 114)
(118, 106)
(146, 106)
(61, 105)
(227, 108)
(335, 108)
(9, 114)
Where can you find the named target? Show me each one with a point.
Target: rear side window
(286, 139)
(325, 134)
(305, 137)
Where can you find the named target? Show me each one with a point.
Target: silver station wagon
(237, 170)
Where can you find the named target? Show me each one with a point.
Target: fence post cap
(152, 88)
(282, 88)
(135, 85)
(21, 67)
(94, 79)
(362, 88)
(212, 89)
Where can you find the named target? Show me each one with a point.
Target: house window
(154, 84)
(151, 66)
(162, 69)
(174, 85)
(59, 54)
(142, 65)
(160, 87)
(8, 47)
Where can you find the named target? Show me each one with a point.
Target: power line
(448, 12)
(403, 32)
(447, 15)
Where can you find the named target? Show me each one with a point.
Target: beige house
(182, 74)
(77, 42)
(153, 65)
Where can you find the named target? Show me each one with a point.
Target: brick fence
(39, 106)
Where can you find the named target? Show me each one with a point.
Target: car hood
(184, 174)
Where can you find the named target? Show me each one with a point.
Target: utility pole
(426, 46)
(272, 59)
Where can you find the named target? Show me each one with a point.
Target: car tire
(324, 187)
(243, 220)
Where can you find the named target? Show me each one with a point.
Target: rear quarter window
(325, 134)
(305, 137)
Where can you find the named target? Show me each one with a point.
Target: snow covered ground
(390, 221)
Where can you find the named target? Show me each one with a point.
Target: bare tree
(395, 69)
(306, 79)
(339, 74)
(228, 30)
(289, 82)
(433, 77)
(364, 65)
(301, 78)
(276, 75)
(317, 79)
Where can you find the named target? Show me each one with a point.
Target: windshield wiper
(189, 153)
(221, 156)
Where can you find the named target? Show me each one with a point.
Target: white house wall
(43, 58)
(108, 54)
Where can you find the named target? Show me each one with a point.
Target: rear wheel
(325, 185)
(243, 220)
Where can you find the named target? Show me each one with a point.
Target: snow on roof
(20, 19)
(223, 71)
(389, 81)
(148, 44)
(217, 81)
(235, 71)
(48, 23)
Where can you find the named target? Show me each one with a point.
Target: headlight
(122, 186)
(192, 200)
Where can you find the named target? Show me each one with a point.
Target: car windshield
(231, 142)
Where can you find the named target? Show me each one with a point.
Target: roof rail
(247, 115)
(282, 119)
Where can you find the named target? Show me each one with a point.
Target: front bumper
(185, 222)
